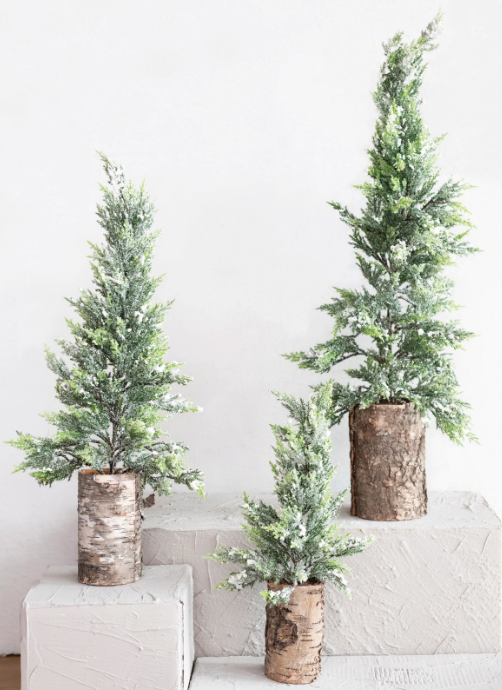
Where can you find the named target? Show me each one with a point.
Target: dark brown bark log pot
(387, 459)
(294, 634)
(109, 528)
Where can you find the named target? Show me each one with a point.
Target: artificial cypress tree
(297, 546)
(299, 541)
(406, 236)
(411, 228)
(115, 384)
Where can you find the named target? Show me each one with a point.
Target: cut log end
(294, 634)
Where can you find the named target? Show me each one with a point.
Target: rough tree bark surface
(294, 634)
(109, 528)
(387, 459)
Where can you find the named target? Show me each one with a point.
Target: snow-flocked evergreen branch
(113, 378)
(299, 541)
(411, 228)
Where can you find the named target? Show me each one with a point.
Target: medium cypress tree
(411, 229)
(117, 389)
(300, 542)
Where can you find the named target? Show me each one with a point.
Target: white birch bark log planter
(109, 528)
(387, 460)
(293, 635)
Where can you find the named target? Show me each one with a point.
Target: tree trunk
(109, 528)
(387, 460)
(294, 634)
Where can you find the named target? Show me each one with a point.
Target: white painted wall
(244, 118)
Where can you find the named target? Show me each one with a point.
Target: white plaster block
(129, 637)
(440, 672)
(424, 587)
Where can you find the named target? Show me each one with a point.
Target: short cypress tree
(300, 541)
(117, 387)
(411, 228)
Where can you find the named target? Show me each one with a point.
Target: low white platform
(441, 672)
(130, 637)
(428, 586)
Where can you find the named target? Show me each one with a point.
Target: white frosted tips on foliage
(279, 597)
(412, 227)
(113, 379)
(300, 542)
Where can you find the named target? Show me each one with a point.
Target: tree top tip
(427, 39)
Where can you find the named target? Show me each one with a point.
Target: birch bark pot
(109, 528)
(294, 634)
(387, 460)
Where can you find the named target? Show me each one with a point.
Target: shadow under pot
(294, 634)
(109, 528)
(387, 460)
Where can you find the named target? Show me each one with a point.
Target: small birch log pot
(109, 528)
(294, 634)
(387, 459)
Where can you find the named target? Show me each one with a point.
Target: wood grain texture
(293, 635)
(109, 528)
(387, 455)
(10, 673)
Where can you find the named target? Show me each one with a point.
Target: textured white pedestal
(441, 672)
(424, 587)
(129, 637)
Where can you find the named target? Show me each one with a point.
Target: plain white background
(245, 118)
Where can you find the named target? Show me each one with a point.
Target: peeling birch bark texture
(387, 459)
(109, 528)
(294, 634)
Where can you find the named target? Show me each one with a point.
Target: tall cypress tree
(411, 229)
(115, 382)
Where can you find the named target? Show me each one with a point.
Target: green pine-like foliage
(411, 229)
(299, 541)
(115, 382)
